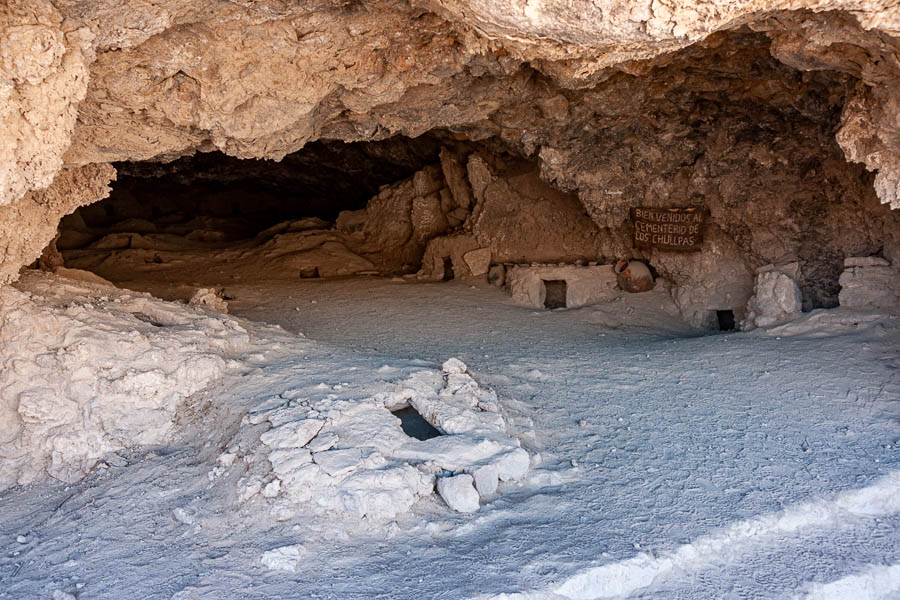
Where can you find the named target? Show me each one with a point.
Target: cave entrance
(432, 208)
(212, 221)
(226, 198)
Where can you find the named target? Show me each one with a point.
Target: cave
(722, 125)
(240, 241)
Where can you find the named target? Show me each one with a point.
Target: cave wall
(753, 142)
(90, 83)
(27, 226)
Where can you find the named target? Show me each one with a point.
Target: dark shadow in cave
(414, 425)
(245, 196)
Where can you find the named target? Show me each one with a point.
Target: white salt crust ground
(87, 370)
(84, 378)
(664, 465)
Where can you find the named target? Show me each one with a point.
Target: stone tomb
(583, 286)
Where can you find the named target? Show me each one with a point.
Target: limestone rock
(871, 285)
(513, 465)
(395, 226)
(428, 181)
(427, 218)
(486, 479)
(284, 558)
(776, 300)
(454, 366)
(459, 492)
(62, 411)
(43, 78)
(27, 226)
(456, 178)
(81, 275)
(518, 210)
(478, 261)
(211, 298)
(865, 261)
(480, 176)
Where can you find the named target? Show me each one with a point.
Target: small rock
(285, 558)
(183, 516)
(486, 480)
(459, 493)
(454, 366)
(865, 261)
(478, 261)
(513, 465)
(497, 275)
(272, 488)
(211, 298)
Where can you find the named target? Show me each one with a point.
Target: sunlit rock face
(754, 110)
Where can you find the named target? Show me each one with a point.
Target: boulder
(478, 261)
(870, 283)
(459, 492)
(776, 298)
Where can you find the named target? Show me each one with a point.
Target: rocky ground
(662, 463)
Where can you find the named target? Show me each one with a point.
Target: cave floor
(667, 464)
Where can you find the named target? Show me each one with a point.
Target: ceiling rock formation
(90, 82)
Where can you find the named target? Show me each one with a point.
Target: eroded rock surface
(351, 457)
(73, 389)
(600, 93)
(27, 226)
(870, 282)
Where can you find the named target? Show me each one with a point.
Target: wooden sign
(674, 229)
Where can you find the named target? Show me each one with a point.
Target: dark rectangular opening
(556, 293)
(448, 269)
(726, 320)
(414, 425)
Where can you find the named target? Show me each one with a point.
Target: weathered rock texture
(43, 78)
(73, 388)
(870, 282)
(650, 102)
(776, 297)
(27, 226)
